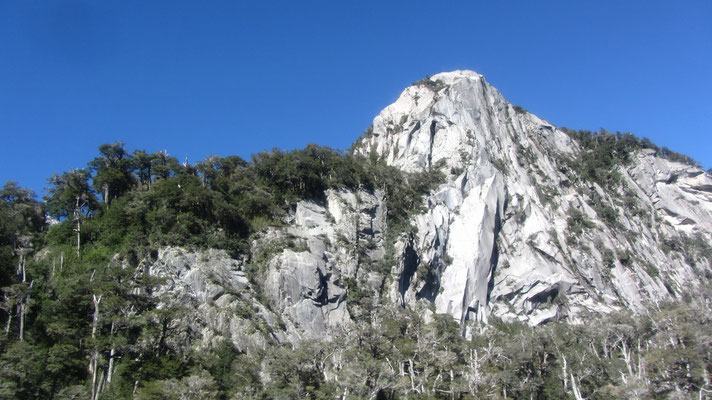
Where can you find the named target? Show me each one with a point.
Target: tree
(21, 220)
(143, 163)
(113, 171)
(70, 195)
(163, 165)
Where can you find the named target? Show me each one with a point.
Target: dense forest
(80, 318)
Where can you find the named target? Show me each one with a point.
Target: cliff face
(305, 276)
(514, 231)
(506, 218)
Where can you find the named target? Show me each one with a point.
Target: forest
(80, 319)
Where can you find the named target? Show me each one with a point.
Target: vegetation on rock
(78, 311)
(81, 318)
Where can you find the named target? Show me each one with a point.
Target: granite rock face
(217, 298)
(500, 233)
(301, 274)
(512, 232)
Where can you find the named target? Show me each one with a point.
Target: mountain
(526, 224)
(521, 229)
(464, 247)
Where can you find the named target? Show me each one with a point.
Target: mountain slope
(527, 222)
(466, 249)
(516, 230)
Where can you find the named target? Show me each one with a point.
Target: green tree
(112, 171)
(21, 221)
(164, 166)
(69, 195)
(143, 163)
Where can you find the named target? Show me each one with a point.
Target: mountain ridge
(463, 241)
(495, 133)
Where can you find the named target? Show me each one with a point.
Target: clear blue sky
(239, 77)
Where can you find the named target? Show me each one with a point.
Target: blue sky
(233, 77)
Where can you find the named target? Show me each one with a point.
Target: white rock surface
(307, 285)
(501, 219)
(216, 296)
(496, 240)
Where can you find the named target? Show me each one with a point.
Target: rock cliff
(514, 231)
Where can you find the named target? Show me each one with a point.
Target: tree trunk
(99, 386)
(9, 322)
(574, 387)
(106, 195)
(21, 265)
(452, 384)
(111, 365)
(22, 320)
(79, 236)
(566, 377)
(95, 354)
(92, 368)
(23, 310)
(111, 356)
(78, 229)
(412, 375)
(96, 301)
(626, 352)
(641, 368)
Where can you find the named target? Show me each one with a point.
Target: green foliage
(70, 194)
(604, 152)
(546, 194)
(626, 258)
(430, 83)
(99, 305)
(694, 249)
(500, 164)
(22, 222)
(652, 270)
(577, 222)
(112, 171)
(608, 257)
(367, 134)
(606, 213)
(150, 201)
(404, 194)
(525, 154)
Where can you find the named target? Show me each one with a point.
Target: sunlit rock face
(513, 232)
(499, 234)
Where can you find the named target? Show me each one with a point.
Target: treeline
(78, 315)
(400, 355)
(122, 199)
(80, 318)
(664, 354)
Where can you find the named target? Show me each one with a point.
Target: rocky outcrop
(501, 233)
(512, 232)
(301, 274)
(307, 282)
(217, 298)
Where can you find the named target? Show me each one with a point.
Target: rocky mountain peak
(529, 223)
(519, 229)
(317, 274)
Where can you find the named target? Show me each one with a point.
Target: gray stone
(496, 235)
